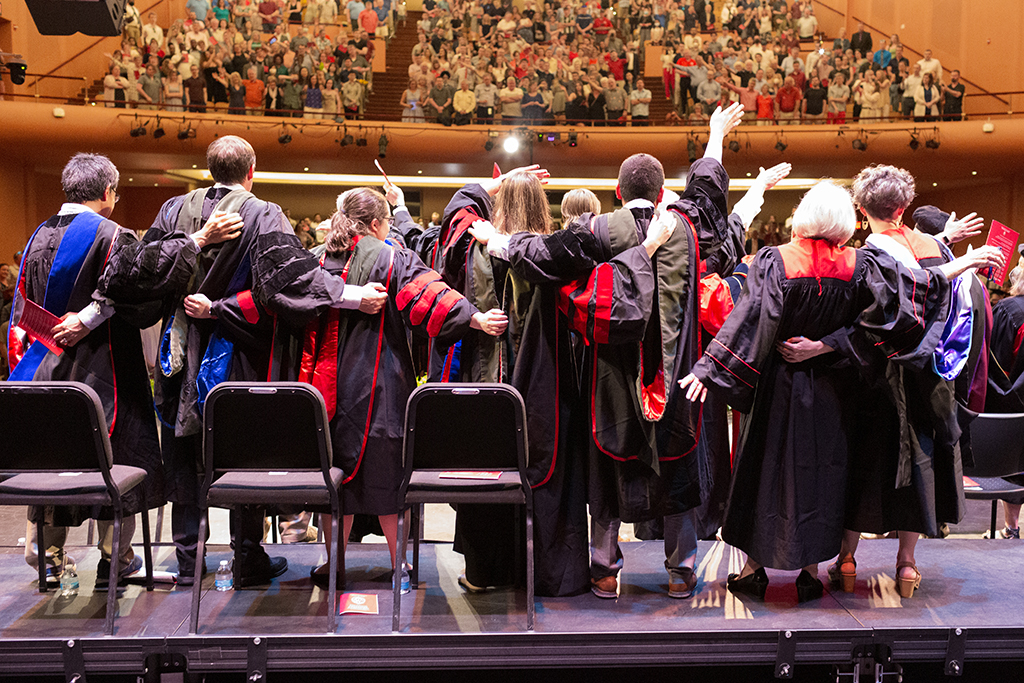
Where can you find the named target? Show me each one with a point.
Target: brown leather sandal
(843, 572)
(905, 586)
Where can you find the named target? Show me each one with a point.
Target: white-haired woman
(786, 503)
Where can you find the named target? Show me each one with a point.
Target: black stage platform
(969, 609)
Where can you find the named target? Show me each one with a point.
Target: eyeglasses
(117, 197)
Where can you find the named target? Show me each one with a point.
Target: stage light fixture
(159, 132)
(734, 145)
(138, 131)
(931, 144)
(552, 137)
(284, 138)
(183, 134)
(691, 150)
(361, 142)
(573, 139)
(347, 140)
(489, 145)
(511, 144)
(859, 145)
(382, 146)
(780, 145)
(914, 142)
(16, 67)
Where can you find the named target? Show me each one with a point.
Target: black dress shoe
(322, 579)
(273, 568)
(186, 578)
(754, 585)
(808, 587)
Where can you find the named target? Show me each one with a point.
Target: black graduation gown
(533, 357)
(363, 366)
(906, 472)
(264, 287)
(785, 507)
(1006, 362)
(109, 359)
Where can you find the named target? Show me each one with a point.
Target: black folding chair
(268, 443)
(453, 428)
(997, 441)
(60, 455)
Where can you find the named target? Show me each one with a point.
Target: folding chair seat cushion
(124, 477)
(424, 480)
(994, 488)
(240, 486)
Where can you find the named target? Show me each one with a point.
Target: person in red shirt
(616, 65)
(787, 102)
(765, 107)
(368, 20)
(254, 91)
(602, 27)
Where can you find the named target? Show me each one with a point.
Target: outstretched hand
(493, 322)
(723, 121)
(770, 177)
(962, 229)
(494, 184)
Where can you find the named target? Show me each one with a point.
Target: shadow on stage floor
(969, 585)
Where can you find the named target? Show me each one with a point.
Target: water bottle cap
(224, 563)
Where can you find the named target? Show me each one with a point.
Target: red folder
(39, 323)
(1006, 239)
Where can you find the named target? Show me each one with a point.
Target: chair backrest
(265, 426)
(465, 427)
(56, 426)
(997, 441)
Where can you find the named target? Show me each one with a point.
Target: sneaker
(1007, 532)
(103, 572)
(606, 587)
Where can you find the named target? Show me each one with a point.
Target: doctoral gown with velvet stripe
(786, 503)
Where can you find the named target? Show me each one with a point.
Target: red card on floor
(971, 485)
(1006, 239)
(39, 322)
(357, 603)
(472, 474)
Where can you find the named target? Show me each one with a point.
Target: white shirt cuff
(96, 313)
(351, 297)
(497, 246)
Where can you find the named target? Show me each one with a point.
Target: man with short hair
(639, 104)
(464, 104)
(149, 87)
(270, 14)
(152, 31)
(66, 269)
(861, 40)
(486, 97)
(787, 102)
(953, 98)
(930, 65)
(261, 290)
(254, 91)
(195, 88)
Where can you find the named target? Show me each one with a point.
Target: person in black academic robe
(1006, 375)
(63, 271)
(362, 362)
(247, 303)
(783, 507)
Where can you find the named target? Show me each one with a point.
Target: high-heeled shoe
(843, 572)
(755, 584)
(906, 586)
(808, 587)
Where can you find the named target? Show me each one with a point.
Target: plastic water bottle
(223, 580)
(68, 579)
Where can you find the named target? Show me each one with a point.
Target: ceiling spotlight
(361, 142)
(382, 146)
(780, 145)
(347, 140)
(691, 149)
(914, 142)
(573, 139)
(931, 144)
(137, 132)
(859, 145)
(284, 138)
(159, 132)
(511, 144)
(183, 133)
(734, 145)
(489, 145)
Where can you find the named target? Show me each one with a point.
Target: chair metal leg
(319, 527)
(530, 607)
(992, 533)
(159, 523)
(415, 521)
(89, 532)
(147, 549)
(332, 581)
(41, 554)
(115, 573)
(396, 575)
(197, 586)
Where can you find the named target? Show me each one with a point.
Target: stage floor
(970, 585)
